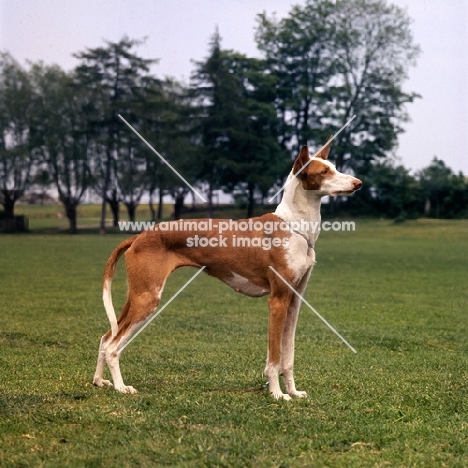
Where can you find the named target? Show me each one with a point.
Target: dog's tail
(109, 273)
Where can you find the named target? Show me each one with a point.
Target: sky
(178, 32)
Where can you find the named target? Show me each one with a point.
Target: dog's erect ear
(324, 153)
(301, 160)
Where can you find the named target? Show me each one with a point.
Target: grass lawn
(397, 292)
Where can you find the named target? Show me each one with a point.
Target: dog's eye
(324, 171)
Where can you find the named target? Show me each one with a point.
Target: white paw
(102, 383)
(126, 389)
(298, 394)
(280, 396)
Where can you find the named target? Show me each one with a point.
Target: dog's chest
(299, 257)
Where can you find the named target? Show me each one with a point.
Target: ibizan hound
(153, 255)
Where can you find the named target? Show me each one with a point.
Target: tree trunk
(114, 204)
(178, 205)
(151, 206)
(210, 201)
(70, 210)
(251, 201)
(427, 207)
(102, 227)
(9, 203)
(131, 209)
(160, 207)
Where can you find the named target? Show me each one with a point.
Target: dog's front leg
(287, 355)
(289, 332)
(278, 303)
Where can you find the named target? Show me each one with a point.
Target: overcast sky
(178, 32)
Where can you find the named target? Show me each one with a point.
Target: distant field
(52, 217)
(397, 292)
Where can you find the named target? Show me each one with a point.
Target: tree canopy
(236, 127)
(334, 60)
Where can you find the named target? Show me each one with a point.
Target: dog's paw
(126, 389)
(298, 394)
(102, 383)
(280, 396)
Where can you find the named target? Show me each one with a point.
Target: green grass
(398, 293)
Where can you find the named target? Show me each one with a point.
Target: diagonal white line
(163, 307)
(314, 311)
(310, 160)
(157, 154)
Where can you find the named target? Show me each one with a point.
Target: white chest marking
(299, 257)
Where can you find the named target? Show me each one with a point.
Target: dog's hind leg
(101, 361)
(287, 355)
(133, 318)
(101, 364)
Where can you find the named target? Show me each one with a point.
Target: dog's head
(321, 176)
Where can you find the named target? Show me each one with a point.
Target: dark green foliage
(121, 81)
(333, 60)
(238, 125)
(16, 153)
(445, 193)
(390, 190)
(60, 135)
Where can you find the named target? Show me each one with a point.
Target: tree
(239, 124)
(254, 161)
(167, 120)
(214, 90)
(16, 154)
(129, 171)
(334, 60)
(60, 135)
(120, 79)
(298, 52)
(394, 192)
(445, 193)
(374, 49)
(152, 113)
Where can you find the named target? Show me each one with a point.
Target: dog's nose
(357, 184)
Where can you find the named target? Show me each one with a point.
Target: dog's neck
(300, 205)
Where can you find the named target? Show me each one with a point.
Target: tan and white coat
(152, 256)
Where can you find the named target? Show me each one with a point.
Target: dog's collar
(311, 246)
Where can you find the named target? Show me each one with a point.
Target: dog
(250, 268)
